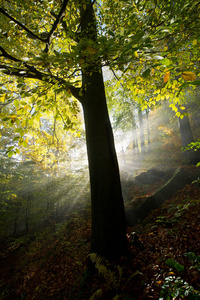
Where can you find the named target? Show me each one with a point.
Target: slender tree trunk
(148, 131)
(4, 188)
(16, 218)
(135, 143)
(27, 213)
(141, 132)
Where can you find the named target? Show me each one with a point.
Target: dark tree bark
(108, 217)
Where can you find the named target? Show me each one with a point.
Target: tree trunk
(141, 132)
(185, 130)
(16, 218)
(148, 131)
(108, 217)
(27, 213)
(186, 138)
(135, 143)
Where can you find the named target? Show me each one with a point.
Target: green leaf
(20, 131)
(172, 263)
(146, 73)
(17, 151)
(10, 148)
(23, 103)
(10, 153)
(16, 103)
(165, 62)
(16, 138)
(179, 267)
(24, 144)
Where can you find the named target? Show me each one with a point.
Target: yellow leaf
(172, 273)
(91, 50)
(136, 54)
(166, 77)
(188, 76)
(194, 42)
(2, 98)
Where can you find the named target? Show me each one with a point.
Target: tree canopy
(152, 45)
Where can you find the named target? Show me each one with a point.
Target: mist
(34, 196)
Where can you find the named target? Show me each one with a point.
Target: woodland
(99, 149)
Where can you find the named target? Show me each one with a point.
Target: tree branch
(50, 34)
(54, 27)
(5, 54)
(22, 26)
(33, 73)
(64, 25)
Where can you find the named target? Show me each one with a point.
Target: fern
(112, 276)
(97, 295)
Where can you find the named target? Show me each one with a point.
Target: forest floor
(163, 262)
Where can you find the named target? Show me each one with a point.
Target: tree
(61, 47)
(108, 218)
